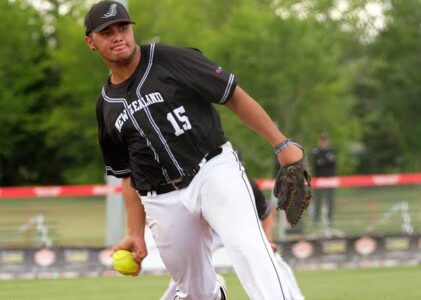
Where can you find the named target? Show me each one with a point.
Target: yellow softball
(124, 263)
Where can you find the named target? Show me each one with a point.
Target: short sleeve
(208, 80)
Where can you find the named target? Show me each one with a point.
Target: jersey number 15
(179, 120)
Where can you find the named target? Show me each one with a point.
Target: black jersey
(160, 123)
(262, 205)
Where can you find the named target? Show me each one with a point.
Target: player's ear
(90, 42)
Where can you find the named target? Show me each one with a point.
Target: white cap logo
(112, 11)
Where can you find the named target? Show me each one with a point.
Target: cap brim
(106, 24)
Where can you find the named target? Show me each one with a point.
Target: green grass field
(399, 283)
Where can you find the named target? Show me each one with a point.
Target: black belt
(183, 181)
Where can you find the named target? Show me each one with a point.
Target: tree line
(349, 67)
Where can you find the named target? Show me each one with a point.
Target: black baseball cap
(103, 14)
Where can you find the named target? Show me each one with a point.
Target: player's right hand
(136, 245)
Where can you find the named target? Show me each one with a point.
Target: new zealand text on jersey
(137, 105)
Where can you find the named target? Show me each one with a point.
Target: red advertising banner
(354, 181)
(264, 184)
(58, 191)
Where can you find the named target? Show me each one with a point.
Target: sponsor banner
(352, 252)
(354, 181)
(59, 191)
(55, 263)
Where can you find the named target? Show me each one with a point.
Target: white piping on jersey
(164, 171)
(135, 124)
(227, 89)
(149, 115)
(117, 172)
(142, 81)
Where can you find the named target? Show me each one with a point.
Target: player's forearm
(135, 212)
(251, 113)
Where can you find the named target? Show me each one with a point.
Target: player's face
(115, 43)
(324, 143)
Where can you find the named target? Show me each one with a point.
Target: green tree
(296, 69)
(49, 85)
(25, 78)
(389, 89)
(71, 123)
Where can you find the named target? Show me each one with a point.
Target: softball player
(159, 131)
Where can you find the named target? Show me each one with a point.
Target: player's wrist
(282, 146)
(291, 153)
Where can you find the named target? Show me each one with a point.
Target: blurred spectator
(324, 165)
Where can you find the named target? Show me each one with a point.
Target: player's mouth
(119, 48)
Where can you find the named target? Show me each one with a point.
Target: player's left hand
(293, 187)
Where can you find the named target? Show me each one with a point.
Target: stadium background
(349, 67)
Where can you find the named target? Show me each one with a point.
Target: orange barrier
(264, 184)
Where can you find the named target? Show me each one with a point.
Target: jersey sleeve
(114, 153)
(208, 80)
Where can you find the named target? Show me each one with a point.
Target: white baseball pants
(218, 198)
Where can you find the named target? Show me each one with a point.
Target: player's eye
(105, 32)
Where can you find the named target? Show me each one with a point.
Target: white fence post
(114, 214)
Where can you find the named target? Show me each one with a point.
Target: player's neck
(120, 72)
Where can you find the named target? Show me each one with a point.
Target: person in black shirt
(159, 131)
(324, 165)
